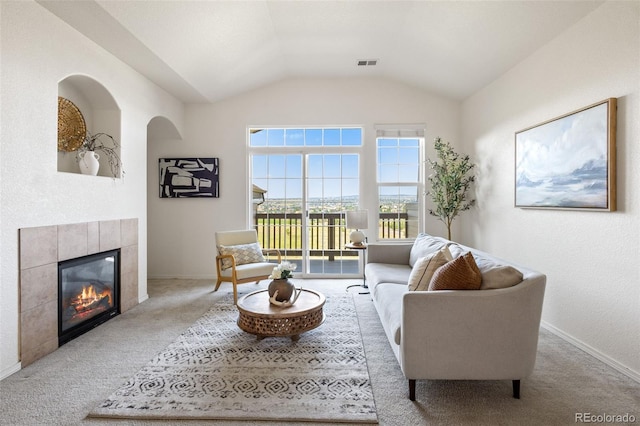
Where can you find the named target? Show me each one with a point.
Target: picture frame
(569, 162)
(196, 177)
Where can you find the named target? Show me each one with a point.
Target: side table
(363, 248)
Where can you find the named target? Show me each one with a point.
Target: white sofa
(486, 334)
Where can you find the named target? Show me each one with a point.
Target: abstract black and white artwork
(189, 178)
(569, 162)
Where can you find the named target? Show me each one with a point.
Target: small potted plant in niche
(88, 154)
(450, 181)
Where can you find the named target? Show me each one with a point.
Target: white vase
(88, 162)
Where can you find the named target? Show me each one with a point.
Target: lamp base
(357, 237)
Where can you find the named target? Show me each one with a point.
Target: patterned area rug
(214, 370)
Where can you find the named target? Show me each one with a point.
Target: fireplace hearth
(88, 293)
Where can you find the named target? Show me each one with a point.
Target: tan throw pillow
(496, 275)
(425, 267)
(461, 273)
(243, 253)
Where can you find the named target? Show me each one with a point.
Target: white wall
(39, 50)
(183, 229)
(590, 258)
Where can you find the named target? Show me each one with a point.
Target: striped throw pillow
(424, 268)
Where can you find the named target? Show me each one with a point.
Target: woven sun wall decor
(71, 126)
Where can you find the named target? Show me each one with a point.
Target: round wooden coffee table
(259, 317)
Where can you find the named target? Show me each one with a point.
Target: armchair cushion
(243, 254)
(249, 270)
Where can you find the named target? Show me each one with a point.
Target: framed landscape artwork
(189, 178)
(569, 162)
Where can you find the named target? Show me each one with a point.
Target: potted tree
(88, 154)
(450, 182)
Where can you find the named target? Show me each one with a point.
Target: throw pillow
(424, 245)
(496, 275)
(500, 277)
(243, 253)
(461, 273)
(455, 250)
(425, 267)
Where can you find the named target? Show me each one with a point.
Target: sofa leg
(412, 389)
(516, 389)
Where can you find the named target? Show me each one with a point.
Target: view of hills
(331, 205)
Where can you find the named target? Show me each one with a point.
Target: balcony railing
(327, 233)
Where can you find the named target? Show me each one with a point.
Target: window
(305, 137)
(400, 183)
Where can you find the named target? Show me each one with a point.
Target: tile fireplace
(42, 249)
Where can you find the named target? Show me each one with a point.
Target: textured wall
(591, 258)
(38, 51)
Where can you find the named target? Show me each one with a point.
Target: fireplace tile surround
(41, 248)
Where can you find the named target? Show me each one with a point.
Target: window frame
(415, 132)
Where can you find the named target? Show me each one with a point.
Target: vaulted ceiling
(204, 51)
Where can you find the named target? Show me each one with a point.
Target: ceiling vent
(367, 62)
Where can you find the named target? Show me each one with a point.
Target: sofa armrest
(389, 253)
(472, 335)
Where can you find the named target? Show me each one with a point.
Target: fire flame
(89, 298)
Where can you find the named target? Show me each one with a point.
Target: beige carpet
(62, 388)
(214, 370)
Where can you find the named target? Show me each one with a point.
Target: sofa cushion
(461, 273)
(388, 301)
(243, 254)
(377, 273)
(456, 250)
(423, 246)
(425, 267)
(496, 275)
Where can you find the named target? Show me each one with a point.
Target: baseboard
(592, 351)
(9, 371)
(182, 277)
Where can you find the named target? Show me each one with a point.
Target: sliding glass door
(332, 189)
(300, 197)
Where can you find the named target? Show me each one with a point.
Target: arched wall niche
(101, 114)
(163, 140)
(161, 128)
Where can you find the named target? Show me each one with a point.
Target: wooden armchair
(240, 259)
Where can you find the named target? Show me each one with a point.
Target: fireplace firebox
(88, 293)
